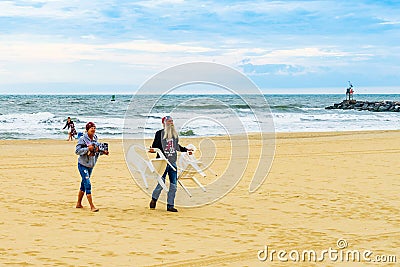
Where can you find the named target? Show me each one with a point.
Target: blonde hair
(170, 132)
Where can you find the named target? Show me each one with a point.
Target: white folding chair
(147, 168)
(160, 162)
(189, 166)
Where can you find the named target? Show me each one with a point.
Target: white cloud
(307, 56)
(152, 56)
(56, 9)
(68, 52)
(293, 56)
(11, 9)
(392, 22)
(157, 47)
(4, 70)
(157, 3)
(89, 37)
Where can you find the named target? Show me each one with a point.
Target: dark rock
(380, 106)
(359, 104)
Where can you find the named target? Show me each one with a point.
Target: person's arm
(66, 124)
(157, 141)
(182, 148)
(82, 148)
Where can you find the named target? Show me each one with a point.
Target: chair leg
(199, 184)
(184, 188)
(161, 182)
(209, 169)
(198, 169)
(145, 180)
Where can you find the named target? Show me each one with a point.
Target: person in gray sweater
(88, 151)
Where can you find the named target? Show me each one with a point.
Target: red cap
(166, 118)
(90, 125)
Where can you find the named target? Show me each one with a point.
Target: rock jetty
(378, 106)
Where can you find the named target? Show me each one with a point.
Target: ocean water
(44, 116)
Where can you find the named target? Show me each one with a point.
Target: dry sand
(321, 187)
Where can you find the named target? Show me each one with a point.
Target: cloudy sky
(283, 46)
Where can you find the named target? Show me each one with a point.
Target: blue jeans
(173, 175)
(85, 174)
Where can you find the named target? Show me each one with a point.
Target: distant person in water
(71, 129)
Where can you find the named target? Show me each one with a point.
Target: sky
(73, 47)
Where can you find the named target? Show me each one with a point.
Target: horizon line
(180, 94)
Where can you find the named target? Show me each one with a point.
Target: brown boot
(153, 203)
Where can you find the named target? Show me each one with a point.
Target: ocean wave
(203, 106)
(12, 117)
(285, 108)
(149, 116)
(44, 116)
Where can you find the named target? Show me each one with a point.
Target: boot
(153, 203)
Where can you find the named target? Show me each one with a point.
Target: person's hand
(106, 152)
(151, 150)
(91, 148)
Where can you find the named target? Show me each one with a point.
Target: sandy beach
(322, 187)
